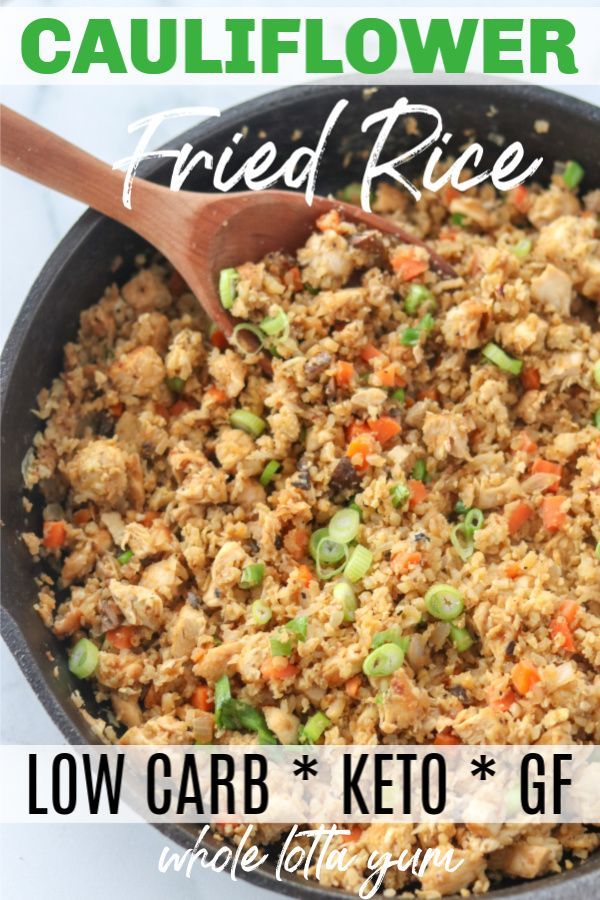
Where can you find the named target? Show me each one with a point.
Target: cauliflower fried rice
(458, 416)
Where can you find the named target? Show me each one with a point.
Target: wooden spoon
(200, 234)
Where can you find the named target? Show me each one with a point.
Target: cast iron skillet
(80, 268)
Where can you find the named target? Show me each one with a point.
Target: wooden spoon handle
(43, 156)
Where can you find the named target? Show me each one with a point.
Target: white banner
(300, 784)
(238, 45)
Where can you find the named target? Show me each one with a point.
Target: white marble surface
(94, 861)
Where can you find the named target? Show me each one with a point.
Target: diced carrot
(122, 636)
(305, 575)
(181, 406)
(296, 542)
(355, 834)
(278, 667)
(116, 410)
(215, 395)
(203, 698)
(385, 428)
(352, 686)
(524, 676)
(331, 220)
(369, 352)
(359, 449)
(530, 379)
(407, 266)
(55, 535)
(293, 279)
(505, 700)
(403, 563)
(219, 340)
(69, 623)
(517, 518)
(550, 468)
(553, 514)
(520, 198)
(446, 738)
(449, 193)
(176, 284)
(514, 570)
(151, 697)
(568, 609)
(149, 518)
(344, 373)
(429, 393)
(388, 376)
(560, 627)
(418, 492)
(82, 516)
(356, 428)
(161, 410)
(526, 444)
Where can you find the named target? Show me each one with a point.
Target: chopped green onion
(417, 295)
(328, 552)
(84, 658)
(311, 290)
(597, 373)
(427, 323)
(410, 337)
(573, 174)
(419, 471)
(248, 422)
(252, 575)
(269, 472)
(222, 694)
(390, 636)
(344, 526)
(175, 384)
(444, 602)
(313, 729)
(275, 324)
(315, 538)
(344, 593)
(243, 346)
(359, 564)
(125, 557)
(458, 219)
(474, 519)
(228, 279)
(399, 395)
(235, 715)
(461, 638)
(298, 627)
(598, 550)
(281, 648)
(596, 418)
(461, 538)
(261, 613)
(460, 508)
(383, 661)
(399, 494)
(522, 248)
(354, 505)
(498, 357)
(350, 193)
